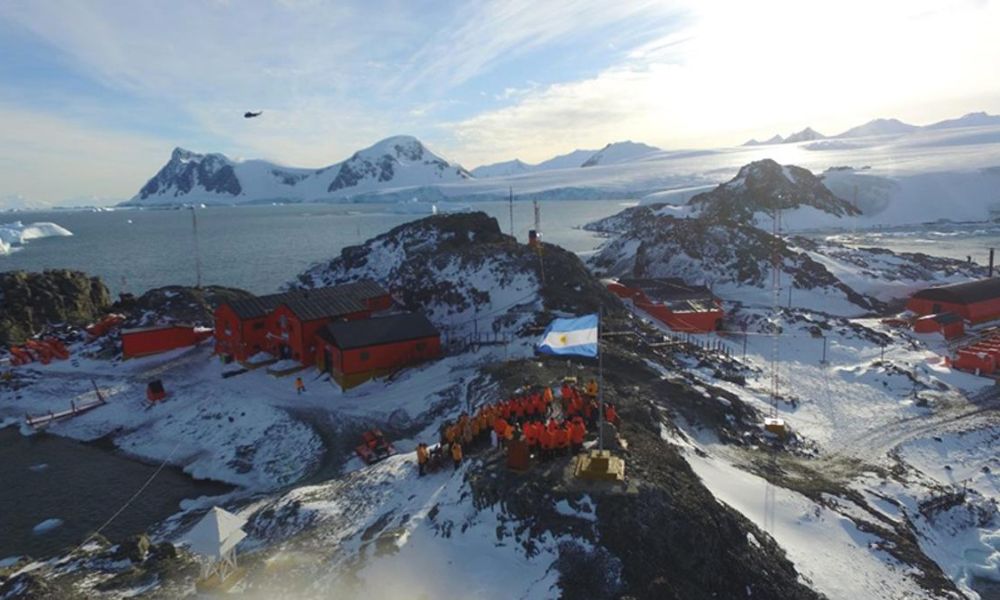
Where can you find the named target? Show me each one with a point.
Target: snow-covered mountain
(974, 119)
(775, 139)
(878, 127)
(764, 185)
(14, 202)
(503, 169)
(806, 135)
(619, 152)
(726, 239)
(395, 162)
(565, 161)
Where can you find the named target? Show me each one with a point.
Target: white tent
(215, 537)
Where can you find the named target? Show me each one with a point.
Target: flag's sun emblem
(563, 339)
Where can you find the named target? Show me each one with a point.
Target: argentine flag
(576, 337)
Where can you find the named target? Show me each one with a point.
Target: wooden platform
(600, 465)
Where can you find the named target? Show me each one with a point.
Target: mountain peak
(806, 135)
(762, 184)
(618, 152)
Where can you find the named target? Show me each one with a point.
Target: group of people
(549, 425)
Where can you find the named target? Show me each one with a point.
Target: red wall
(385, 356)
(152, 341)
(977, 312)
(930, 307)
(300, 336)
(245, 338)
(691, 322)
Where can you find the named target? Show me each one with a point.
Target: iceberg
(14, 235)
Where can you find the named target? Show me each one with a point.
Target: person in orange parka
(456, 454)
(610, 413)
(530, 435)
(545, 442)
(561, 436)
(577, 432)
(501, 428)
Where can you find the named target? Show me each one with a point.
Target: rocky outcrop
(178, 304)
(462, 271)
(30, 302)
(764, 185)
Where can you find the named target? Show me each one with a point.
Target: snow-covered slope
(502, 169)
(724, 239)
(569, 160)
(775, 139)
(619, 152)
(400, 161)
(878, 127)
(975, 119)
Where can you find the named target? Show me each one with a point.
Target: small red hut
(153, 340)
(949, 325)
(682, 307)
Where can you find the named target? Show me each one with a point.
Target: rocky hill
(29, 302)
(464, 273)
(726, 242)
(762, 186)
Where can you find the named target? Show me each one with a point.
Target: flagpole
(600, 383)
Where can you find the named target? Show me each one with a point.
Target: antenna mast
(197, 253)
(511, 203)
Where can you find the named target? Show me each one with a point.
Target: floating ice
(46, 526)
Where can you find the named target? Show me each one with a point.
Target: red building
(285, 324)
(682, 307)
(949, 325)
(974, 301)
(153, 340)
(356, 351)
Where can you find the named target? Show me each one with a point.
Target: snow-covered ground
(16, 234)
(885, 418)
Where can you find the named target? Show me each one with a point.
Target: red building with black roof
(974, 301)
(680, 306)
(285, 324)
(356, 351)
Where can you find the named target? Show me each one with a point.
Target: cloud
(753, 69)
(50, 159)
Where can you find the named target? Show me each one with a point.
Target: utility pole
(197, 253)
(511, 204)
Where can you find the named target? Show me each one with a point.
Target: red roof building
(285, 324)
(356, 351)
(681, 307)
(974, 301)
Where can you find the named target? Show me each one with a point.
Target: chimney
(991, 262)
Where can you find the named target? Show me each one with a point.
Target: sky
(94, 95)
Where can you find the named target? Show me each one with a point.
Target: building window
(283, 322)
(421, 346)
(364, 356)
(258, 325)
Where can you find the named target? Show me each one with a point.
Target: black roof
(309, 304)
(963, 293)
(363, 333)
(669, 289)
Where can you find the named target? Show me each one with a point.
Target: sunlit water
(257, 248)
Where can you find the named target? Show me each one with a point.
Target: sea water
(256, 248)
